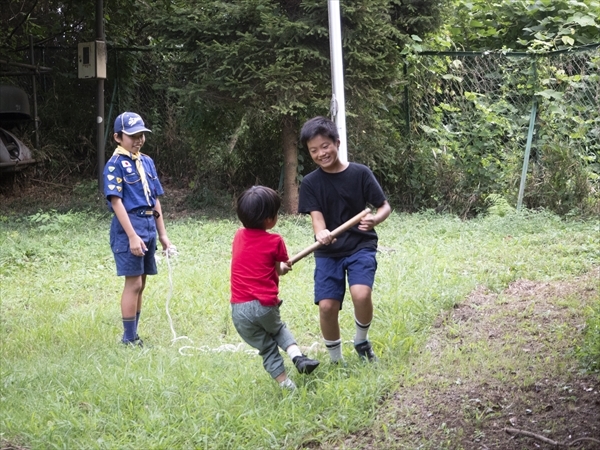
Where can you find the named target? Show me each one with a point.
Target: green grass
(66, 383)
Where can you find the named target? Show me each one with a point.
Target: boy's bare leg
(363, 315)
(131, 301)
(140, 295)
(329, 311)
(363, 305)
(281, 377)
(285, 382)
(131, 297)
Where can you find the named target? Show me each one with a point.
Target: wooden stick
(531, 435)
(539, 437)
(335, 233)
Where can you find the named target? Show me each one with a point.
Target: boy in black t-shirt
(333, 194)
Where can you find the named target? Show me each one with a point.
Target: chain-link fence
(467, 120)
(136, 80)
(482, 116)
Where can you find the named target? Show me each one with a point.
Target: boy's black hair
(319, 126)
(256, 204)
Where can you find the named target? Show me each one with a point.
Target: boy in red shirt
(258, 259)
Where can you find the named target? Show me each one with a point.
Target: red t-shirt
(253, 273)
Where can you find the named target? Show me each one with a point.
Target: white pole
(338, 102)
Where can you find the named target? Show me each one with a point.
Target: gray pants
(261, 327)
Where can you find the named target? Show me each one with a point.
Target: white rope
(185, 350)
(171, 251)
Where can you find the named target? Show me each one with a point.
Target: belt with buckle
(142, 212)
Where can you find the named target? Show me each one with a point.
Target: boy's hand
(367, 223)
(324, 237)
(165, 242)
(137, 246)
(283, 267)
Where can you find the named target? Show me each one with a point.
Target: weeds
(65, 381)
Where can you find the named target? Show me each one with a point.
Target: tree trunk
(290, 165)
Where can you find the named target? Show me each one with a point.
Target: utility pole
(100, 98)
(338, 100)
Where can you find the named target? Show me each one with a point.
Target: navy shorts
(330, 274)
(127, 263)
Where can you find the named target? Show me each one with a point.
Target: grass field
(67, 383)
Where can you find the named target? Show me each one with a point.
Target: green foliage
(566, 174)
(529, 24)
(215, 79)
(248, 64)
(498, 206)
(50, 221)
(469, 120)
(589, 352)
(468, 128)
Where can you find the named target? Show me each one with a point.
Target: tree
(66, 105)
(270, 59)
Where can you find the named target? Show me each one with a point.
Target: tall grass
(67, 383)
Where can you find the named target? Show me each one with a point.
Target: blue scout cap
(130, 123)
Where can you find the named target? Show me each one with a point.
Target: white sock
(288, 384)
(362, 331)
(293, 350)
(335, 349)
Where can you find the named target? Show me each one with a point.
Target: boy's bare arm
(322, 234)
(283, 267)
(370, 221)
(160, 227)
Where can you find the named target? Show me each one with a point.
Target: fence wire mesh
(473, 113)
(466, 118)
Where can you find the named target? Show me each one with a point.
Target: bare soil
(498, 372)
(27, 195)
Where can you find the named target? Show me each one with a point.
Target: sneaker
(304, 364)
(365, 351)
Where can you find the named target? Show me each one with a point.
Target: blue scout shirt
(122, 179)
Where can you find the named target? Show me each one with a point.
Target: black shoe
(365, 351)
(135, 343)
(304, 364)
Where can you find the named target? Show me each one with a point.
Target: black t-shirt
(339, 197)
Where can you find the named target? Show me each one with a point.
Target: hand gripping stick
(335, 233)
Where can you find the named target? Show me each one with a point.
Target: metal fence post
(36, 119)
(406, 99)
(529, 141)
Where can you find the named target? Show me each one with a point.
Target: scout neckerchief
(137, 157)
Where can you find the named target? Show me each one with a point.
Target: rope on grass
(168, 253)
(186, 349)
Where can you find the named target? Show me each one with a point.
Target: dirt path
(494, 363)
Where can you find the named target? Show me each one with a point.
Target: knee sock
(293, 351)
(128, 329)
(137, 321)
(288, 384)
(362, 331)
(335, 349)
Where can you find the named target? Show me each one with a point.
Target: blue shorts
(330, 274)
(128, 264)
